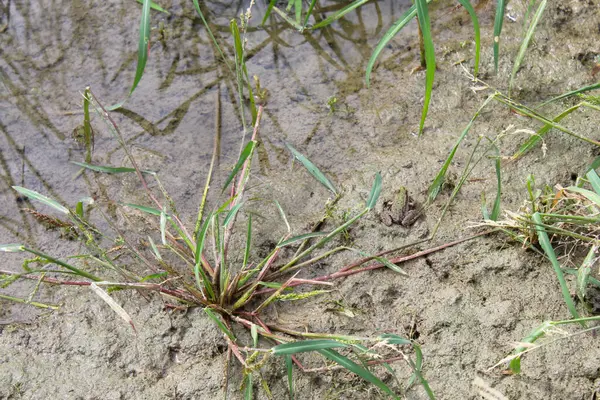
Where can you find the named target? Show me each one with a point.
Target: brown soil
(466, 305)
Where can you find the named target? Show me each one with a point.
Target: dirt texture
(465, 305)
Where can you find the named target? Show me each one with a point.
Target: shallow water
(467, 303)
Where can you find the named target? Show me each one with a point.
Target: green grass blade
(389, 35)
(248, 243)
(392, 338)
(298, 9)
(219, 323)
(104, 169)
(312, 169)
(532, 141)
(143, 44)
(549, 250)
(143, 47)
(525, 43)
(289, 366)
(202, 280)
(42, 199)
(423, 17)
(355, 4)
(15, 248)
(467, 5)
(268, 12)
(248, 386)
(375, 192)
(583, 273)
(573, 93)
(515, 364)
(155, 7)
(231, 214)
(381, 260)
(247, 152)
(288, 19)
(163, 226)
(309, 12)
(300, 238)
(87, 127)
(500, 6)
(357, 369)
(212, 37)
(436, 185)
(148, 210)
(588, 194)
(303, 346)
(31, 303)
(594, 180)
(496, 208)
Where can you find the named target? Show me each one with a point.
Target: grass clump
(562, 224)
(202, 268)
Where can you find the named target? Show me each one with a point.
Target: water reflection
(51, 52)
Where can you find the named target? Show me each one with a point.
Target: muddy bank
(465, 305)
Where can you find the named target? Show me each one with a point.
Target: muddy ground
(465, 305)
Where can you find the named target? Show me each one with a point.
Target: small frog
(400, 209)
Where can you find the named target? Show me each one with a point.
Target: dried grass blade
(113, 304)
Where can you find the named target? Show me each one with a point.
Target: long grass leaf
(289, 366)
(42, 199)
(532, 141)
(248, 243)
(375, 192)
(389, 35)
(143, 48)
(28, 302)
(588, 194)
(467, 5)
(355, 4)
(583, 273)
(573, 93)
(496, 208)
(305, 345)
(525, 43)
(312, 169)
(300, 238)
(498, 21)
(155, 7)
(436, 185)
(298, 10)
(549, 250)
(594, 180)
(247, 152)
(104, 169)
(87, 126)
(231, 214)
(217, 320)
(357, 369)
(268, 12)
(248, 386)
(309, 12)
(423, 17)
(212, 37)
